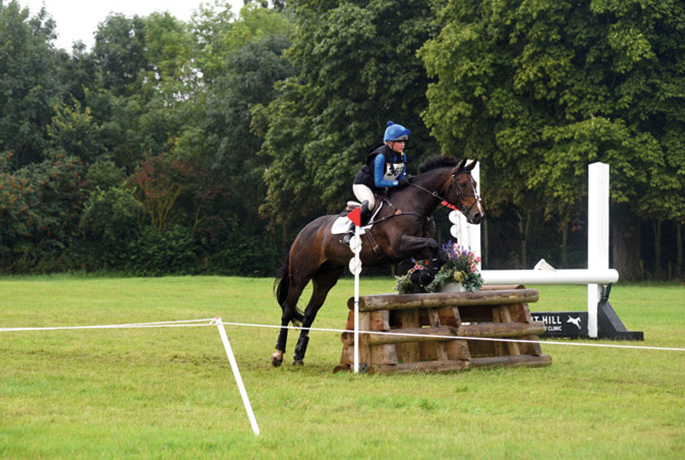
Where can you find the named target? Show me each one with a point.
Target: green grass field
(170, 393)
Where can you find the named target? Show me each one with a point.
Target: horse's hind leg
(289, 312)
(277, 356)
(322, 282)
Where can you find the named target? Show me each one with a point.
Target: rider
(385, 168)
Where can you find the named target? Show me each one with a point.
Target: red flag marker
(356, 216)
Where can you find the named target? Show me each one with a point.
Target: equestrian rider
(385, 168)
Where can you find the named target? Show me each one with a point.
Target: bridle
(453, 183)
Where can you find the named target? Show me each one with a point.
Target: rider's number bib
(393, 171)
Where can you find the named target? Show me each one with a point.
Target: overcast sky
(78, 19)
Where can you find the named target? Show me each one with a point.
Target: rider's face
(397, 146)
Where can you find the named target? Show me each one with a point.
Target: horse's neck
(424, 201)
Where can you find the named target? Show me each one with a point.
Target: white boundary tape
(220, 324)
(212, 322)
(116, 326)
(457, 337)
(186, 323)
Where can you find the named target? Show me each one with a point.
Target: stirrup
(346, 238)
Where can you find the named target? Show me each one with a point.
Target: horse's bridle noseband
(453, 182)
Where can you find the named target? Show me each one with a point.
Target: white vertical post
(467, 235)
(597, 235)
(472, 230)
(357, 246)
(236, 374)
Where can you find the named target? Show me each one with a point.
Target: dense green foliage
(203, 146)
(137, 156)
(357, 69)
(538, 90)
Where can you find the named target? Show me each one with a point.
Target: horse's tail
(281, 286)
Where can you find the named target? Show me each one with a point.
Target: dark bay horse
(403, 228)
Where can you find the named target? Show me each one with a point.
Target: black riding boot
(365, 214)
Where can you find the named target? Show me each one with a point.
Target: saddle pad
(342, 223)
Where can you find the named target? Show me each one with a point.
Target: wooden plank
(498, 346)
(514, 361)
(364, 325)
(499, 330)
(440, 347)
(408, 352)
(443, 299)
(505, 317)
(422, 366)
(449, 316)
(501, 287)
(347, 357)
(458, 350)
(385, 354)
(419, 334)
(379, 321)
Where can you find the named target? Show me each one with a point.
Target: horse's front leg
(417, 247)
(424, 248)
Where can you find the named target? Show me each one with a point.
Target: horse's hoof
(298, 362)
(275, 361)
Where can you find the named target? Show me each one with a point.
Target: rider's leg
(364, 193)
(366, 197)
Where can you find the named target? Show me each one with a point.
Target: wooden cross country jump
(430, 320)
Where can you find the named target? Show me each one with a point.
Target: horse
(403, 228)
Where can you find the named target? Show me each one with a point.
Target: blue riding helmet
(396, 133)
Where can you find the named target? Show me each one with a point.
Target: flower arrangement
(461, 267)
(405, 284)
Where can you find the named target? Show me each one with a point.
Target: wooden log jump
(434, 332)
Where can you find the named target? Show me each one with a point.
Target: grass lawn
(170, 393)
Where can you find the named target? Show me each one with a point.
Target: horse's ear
(460, 166)
(471, 165)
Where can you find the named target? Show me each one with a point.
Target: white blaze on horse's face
(467, 193)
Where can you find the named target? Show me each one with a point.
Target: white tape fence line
(165, 324)
(212, 322)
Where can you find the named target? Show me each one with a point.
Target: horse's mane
(437, 161)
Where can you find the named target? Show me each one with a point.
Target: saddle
(341, 224)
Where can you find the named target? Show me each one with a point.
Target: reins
(437, 196)
(378, 251)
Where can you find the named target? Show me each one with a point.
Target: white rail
(579, 276)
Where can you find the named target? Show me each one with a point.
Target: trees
(29, 84)
(357, 69)
(40, 206)
(537, 90)
(275, 109)
(239, 78)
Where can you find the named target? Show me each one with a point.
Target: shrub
(171, 251)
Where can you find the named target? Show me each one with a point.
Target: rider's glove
(402, 182)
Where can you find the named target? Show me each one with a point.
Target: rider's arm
(379, 172)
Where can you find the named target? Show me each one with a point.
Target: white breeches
(362, 192)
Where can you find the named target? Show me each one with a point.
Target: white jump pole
(597, 235)
(571, 276)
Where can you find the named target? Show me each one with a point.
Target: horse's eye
(463, 184)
